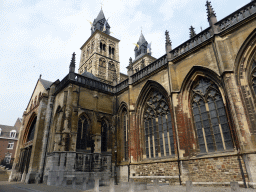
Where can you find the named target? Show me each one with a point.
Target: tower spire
(72, 63)
(192, 32)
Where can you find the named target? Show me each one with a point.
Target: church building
(189, 115)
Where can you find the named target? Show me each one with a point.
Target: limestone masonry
(189, 115)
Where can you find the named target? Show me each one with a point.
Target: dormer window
(0, 131)
(10, 145)
(13, 133)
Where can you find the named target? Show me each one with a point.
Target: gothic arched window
(104, 136)
(210, 117)
(109, 50)
(253, 77)
(102, 63)
(125, 132)
(158, 127)
(92, 47)
(32, 130)
(83, 138)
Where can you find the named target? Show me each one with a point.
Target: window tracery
(125, 133)
(253, 77)
(159, 140)
(83, 138)
(102, 63)
(32, 130)
(104, 136)
(210, 118)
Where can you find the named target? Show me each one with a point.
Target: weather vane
(101, 3)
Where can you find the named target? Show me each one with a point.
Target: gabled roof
(46, 83)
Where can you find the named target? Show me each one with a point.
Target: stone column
(46, 131)
(67, 128)
(74, 121)
(37, 141)
(246, 143)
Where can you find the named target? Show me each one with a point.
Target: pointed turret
(141, 46)
(142, 39)
(100, 23)
(192, 32)
(212, 19)
(168, 45)
(210, 11)
(72, 63)
(100, 16)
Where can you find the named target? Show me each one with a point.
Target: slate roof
(139, 56)
(46, 83)
(141, 39)
(89, 75)
(100, 16)
(7, 129)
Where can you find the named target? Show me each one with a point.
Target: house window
(13, 133)
(10, 145)
(158, 127)
(8, 158)
(210, 117)
(0, 131)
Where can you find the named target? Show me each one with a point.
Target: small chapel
(189, 115)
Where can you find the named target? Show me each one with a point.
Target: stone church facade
(188, 115)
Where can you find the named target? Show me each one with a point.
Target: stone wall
(167, 172)
(217, 169)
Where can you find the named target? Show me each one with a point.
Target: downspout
(175, 125)
(169, 56)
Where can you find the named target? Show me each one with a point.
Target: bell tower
(100, 53)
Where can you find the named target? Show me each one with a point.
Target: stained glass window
(83, 139)
(158, 127)
(104, 136)
(210, 117)
(32, 130)
(125, 131)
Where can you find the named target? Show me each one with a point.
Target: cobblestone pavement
(21, 187)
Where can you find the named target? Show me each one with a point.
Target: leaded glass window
(210, 117)
(104, 136)
(32, 130)
(83, 139)
(253, 77)
(125, 131)
(158, 127)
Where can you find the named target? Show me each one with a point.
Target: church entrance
(24, 160)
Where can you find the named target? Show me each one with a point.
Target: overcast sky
(39, 37)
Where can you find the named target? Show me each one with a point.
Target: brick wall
(218, 169)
